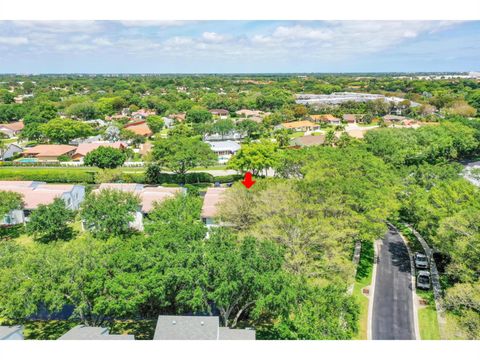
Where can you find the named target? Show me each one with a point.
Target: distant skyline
(238, 46)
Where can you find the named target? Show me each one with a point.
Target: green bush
(227, 178)
(154, 175)
(53, 175)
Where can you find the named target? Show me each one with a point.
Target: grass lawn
(363, 279)
(214, 167)
(296, 135)
(427, 317)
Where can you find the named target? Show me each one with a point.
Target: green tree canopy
(51, 222)
(180, 154)
(64, 130)
(108, 213)
(105, 157)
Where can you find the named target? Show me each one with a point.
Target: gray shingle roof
(236, 334)
(197, 328)
(82, 332)
(186, 328)
(6, 331)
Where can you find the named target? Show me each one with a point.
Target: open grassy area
(427, 317)
(363, 278)
(296, 135)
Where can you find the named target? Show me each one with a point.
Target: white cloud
(152, 23)
(102, 42)
(213, 37)
(13, 40)
(61, 26)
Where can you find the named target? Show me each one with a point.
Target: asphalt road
(393, 314)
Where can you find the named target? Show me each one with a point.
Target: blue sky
(237, 46)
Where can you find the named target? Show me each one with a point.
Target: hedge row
(52, 175)
(87, 176)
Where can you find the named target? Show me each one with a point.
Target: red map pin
(247, 181)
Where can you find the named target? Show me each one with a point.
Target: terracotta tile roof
(14, 126)
(152, 196)
(84, 149)
(25, 184)
(49, 150)
(324, 117)
(350, 117)
(213, 197)
(64, 187)
(41, 195)
(139, 128)
(149, 196)
(219, 112)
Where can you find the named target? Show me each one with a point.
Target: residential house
(308, 140)
(168, 121)
(88, 140)
(142, 114)
(83, 149)
(10, 151)
(251, 113)
(175, 327)
(232, 135)
(213, 197)
(180, 117)
(149, 197)
(81, 332)
(49, 152)
(11, 332)
(35, 193)
(220, 112)
(224, 149)
(325, 118)
(299, 126)
(351, 118)
(12, 129)
(394, 118)
(116, 117)
(139, 128)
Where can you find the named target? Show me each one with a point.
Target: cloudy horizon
(238, 46)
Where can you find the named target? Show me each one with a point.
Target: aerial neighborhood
(239, 207)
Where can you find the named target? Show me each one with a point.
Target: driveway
(393, 313)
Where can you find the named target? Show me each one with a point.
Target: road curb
(376, 243)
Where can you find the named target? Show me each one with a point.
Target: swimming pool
(28, 160)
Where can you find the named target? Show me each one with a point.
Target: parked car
(423, 280)
(421, 261)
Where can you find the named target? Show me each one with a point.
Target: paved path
(393, 312)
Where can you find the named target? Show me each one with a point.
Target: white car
(423, 280)
(421, 261)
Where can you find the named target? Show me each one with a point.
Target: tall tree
(181, 154)
(109, 213)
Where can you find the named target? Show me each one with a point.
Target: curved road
(393, 313)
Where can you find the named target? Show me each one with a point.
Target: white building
(224, 149)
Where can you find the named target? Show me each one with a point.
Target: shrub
(53, 175)
(227, 178)
(105, 157)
